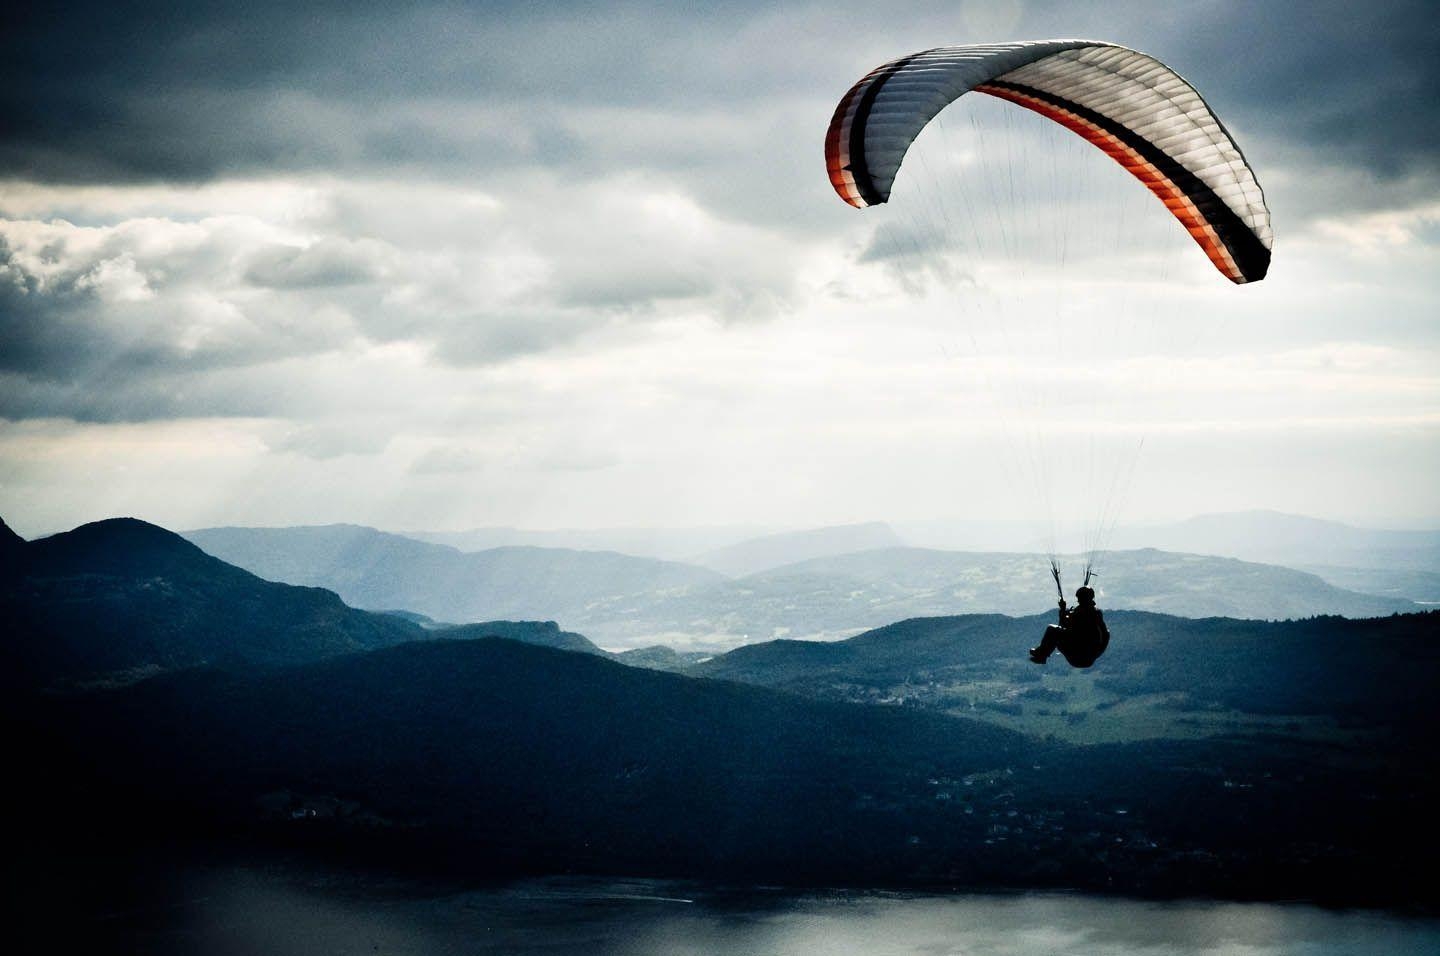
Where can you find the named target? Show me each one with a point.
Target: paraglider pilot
(1081, 636)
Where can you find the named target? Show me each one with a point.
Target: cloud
(1381, 232)
(140, 308)
(145, 291)
(540, 247)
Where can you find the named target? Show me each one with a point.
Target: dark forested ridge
(1221, 757)
(516, 750)
(493, 756)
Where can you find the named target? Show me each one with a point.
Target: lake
(278, 910)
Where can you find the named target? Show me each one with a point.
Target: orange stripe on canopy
(1142, 169)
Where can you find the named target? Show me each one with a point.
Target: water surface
(288, 910)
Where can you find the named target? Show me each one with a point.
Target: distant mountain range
(627, 602)
(1292, 540)
(1385, 563)
(372, 569)
(733, 551)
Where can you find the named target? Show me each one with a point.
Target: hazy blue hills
(837, 596)
(1420, 586)
(372, 569)
(1391, 563)
(777, 550)
(1294, 540)
(622, 601)
(1189, 585)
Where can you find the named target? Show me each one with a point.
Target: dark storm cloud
(1360, 81)
(85, 312)
(38, 330)
(112, 394)
(100, 334)
(127, 91)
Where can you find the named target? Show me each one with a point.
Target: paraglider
(1080, 635)
(1136, 110)
(1133, 107)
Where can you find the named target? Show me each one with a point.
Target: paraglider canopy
(1133, 107)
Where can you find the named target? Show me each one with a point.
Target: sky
(444, 265)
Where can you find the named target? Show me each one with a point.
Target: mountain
(1189, 585)
(505, 754)
(1293, 540)
(372, 569)
(777, 550)
(490, 756)
(836, 597)
(539, 633)
(1235, 758)
(661, 658)
(1423, 587)
(122, 597)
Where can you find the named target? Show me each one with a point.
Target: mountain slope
(539, 633)
(121, 595)
(1162, 675)
(371, 569)
(490, 755)
(12, 547)
(537, 753)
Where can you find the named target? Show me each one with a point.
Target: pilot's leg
(1048, 643)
